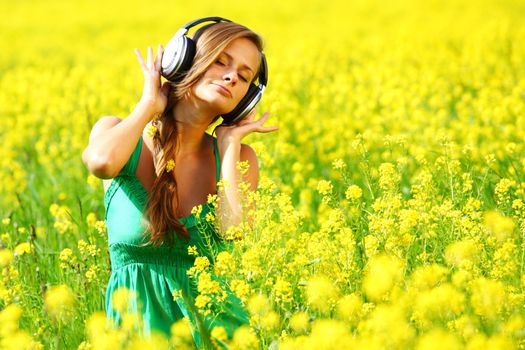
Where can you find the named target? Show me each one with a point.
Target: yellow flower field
(391, 203)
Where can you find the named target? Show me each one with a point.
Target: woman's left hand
(247, 125)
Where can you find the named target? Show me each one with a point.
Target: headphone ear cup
(247, 103)
(187, 58)
(177, 58)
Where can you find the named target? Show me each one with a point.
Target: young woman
(159, 163)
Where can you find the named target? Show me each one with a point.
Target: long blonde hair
(163, 202)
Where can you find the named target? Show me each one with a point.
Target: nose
(231, 77)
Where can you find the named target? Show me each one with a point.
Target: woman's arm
(113, 140)
(231, 152)
(230, 208)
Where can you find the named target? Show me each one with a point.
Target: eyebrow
(244, 66)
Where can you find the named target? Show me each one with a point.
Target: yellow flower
(6, 256)
(203, 302)
(201, 263)
(197, 210)
(388, 177)
(100, 226)
(212, 198)
(384, 272)
(244, 338)
(499, 226)
(282, 291)
(353, 192)
(441, 303)
(349, 308)
(300, 322)
(388, 327)
(428, 276)
(488, 297)
(209, 217)
(170, 165)
(269, 321)
(219, 333)
(320, 293)
(59, 301)
(22, 249)
(91, 219)
(243, 167)
(324, 187)
(258, 304)
(9, 317)
(177, 294)
(6, 221)
(181, 334)
(338, 164)
(463, 254)
(65, 254)
(329, 334)
(92, 272)
(206, 285)
(192, 250)
(121, 299)
(438, 339)
(5, 238)
(96, 324)
(152, 131)
(240, 288)
(85, 345)
(371, 245)
(67, 258)
(93, 181)
(224, 263)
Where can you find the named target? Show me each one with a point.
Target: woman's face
(227, 79)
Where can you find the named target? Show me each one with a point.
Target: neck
(192, 122)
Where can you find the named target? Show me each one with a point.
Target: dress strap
(217, 160)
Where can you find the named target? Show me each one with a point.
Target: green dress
(154, 273)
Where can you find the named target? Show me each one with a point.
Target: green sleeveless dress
(154, 273)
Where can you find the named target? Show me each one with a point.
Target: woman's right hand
(153, 95)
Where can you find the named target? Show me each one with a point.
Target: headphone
(178, 58)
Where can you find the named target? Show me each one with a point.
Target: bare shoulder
(101, 125)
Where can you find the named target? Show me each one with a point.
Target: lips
(223, 90)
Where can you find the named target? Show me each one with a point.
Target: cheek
(242, 93)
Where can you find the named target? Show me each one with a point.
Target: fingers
(150, 64)
(258, 124)
(158, 59)
(150, 57)
(265, 129)
(139, 57)
(262, 128)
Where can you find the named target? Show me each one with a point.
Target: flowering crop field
(391, 203)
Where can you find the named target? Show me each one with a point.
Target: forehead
(245, 52)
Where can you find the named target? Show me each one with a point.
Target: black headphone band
(198, 21)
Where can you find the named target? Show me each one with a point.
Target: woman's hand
(153, 95)
(247, 125)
